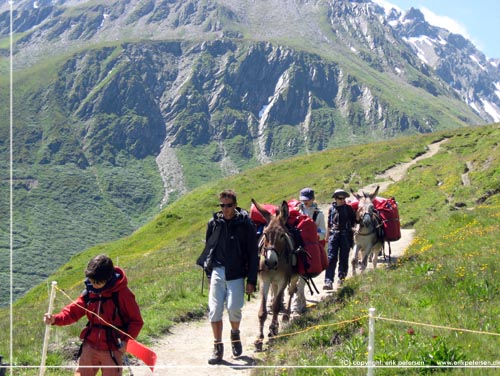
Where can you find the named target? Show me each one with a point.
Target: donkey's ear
(355, 194)
(374, 194)
(262, 210)
(284, 212)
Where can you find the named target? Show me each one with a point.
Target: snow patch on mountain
(492, 110)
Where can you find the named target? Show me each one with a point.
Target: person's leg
(107, 361)
(216, 299)
(235, 302)
(88, 358)
(299, 298)
(333, 255)
(344, 258)
(329, 271)
(217, 330)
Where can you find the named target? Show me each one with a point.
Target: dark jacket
(101, 302)
(236, 247)
(341, 218)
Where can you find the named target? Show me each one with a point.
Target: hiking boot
(328, 286)
(236, 343)
(217, 355)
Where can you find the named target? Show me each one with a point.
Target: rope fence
(386, 319)
(370, 364)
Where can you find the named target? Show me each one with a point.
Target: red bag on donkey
(315, 260)
(257, 218)
(389, 213)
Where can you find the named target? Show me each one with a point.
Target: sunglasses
(340, 198)
(226, 205)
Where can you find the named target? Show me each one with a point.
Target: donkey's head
(366, 208)
(276, 241)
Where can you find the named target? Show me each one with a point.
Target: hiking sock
(236, 343)
(218, 353)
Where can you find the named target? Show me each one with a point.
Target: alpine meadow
(120, 108)
(121, 121)
(448, 277)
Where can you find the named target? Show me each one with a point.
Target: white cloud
(387, 5)
(450, 24)
(445, 22)
(434, 19)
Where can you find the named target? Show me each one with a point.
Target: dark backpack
(114, 295)
(205, 260)
(111, 334)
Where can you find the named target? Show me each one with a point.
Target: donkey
(276, 269)
(366, 237)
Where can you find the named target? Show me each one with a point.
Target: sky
(477, 20)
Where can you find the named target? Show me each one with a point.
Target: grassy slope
(452, 258)
(449, 276)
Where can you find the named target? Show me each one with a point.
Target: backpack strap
(315, 214)
(110, 332)
(114, 296)
(116, 302)
(331, 219)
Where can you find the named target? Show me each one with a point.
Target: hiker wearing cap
(341, 220)
(309, 207)
(113, 318)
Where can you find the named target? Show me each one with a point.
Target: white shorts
(225, 294)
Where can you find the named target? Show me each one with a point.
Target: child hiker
(108, 303)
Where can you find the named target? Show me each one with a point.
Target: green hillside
(109, 126)
(449, 276)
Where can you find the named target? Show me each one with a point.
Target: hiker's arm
(69, 315)
(320, 222)
(329, 224)
(132, 312)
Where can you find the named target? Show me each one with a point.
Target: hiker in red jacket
(108, 304)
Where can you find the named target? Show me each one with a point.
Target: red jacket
(101, 302)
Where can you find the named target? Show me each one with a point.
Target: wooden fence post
(47, 329)
(371, 339)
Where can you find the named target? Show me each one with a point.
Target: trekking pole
(127, 363)
(202, 280)
(47, 329)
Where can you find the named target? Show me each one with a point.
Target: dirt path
(186, 350)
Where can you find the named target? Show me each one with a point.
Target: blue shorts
(225, 294)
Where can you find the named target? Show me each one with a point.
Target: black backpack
(114, 295)
(111, 335)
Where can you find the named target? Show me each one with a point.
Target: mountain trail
(186, 349)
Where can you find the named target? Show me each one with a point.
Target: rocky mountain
(455, 60)
(122, 106)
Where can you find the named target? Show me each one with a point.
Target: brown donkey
(276, 269)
